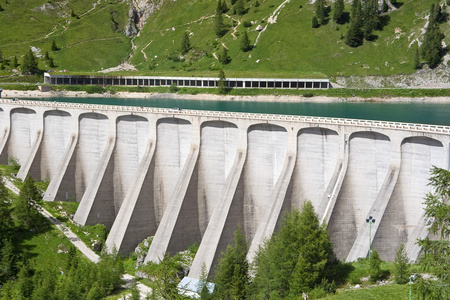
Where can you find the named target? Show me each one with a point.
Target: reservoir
(418, 112)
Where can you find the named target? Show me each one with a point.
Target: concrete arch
(132, 139)
(218, 148)
(317, 156)
(173, 144)
(24, 125)
(266, 154)
(92, 138)
(368, 164)
(404, 212)
(56, 138)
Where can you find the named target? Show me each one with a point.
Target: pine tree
(14, 63)
(24, 209)
(7, 260)
(30, 63)
(221, 83)
(432, 45)
(355, 35)
(384, 7)
(46, 55)
(338, 15)
(233, 2)
(416, 58)
(320, 12)
(185, 43)
(240, 9)
(295, 259)
(54, 47)
(401, 266)
(219, 26)
(314, 22)
(375, 271)
(223, 56)
(232, 278)
(6, 222)
(1, 56)
(245, 42)
(221, 7)
(371, 19)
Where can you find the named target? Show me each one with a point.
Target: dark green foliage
(232, 278)
(432, 44)
(110, 270)
(134, 292)
(221, 7)
(30, 63)
(6, 222)
(219, 26)
(51, 62)
(416, 58)
(1, 8)
(44, 285)
(375, 271)
(371, 19)
(223, 56)
(245, 42)
(1, 56)
(164, 277)
(315, 22)
(320, 12)
(240, 9)
(401, 266)
(221, 84)
(185, 43)
(54, 47)
(296, 259)
(355, 35)
(14, 63)
(436, 252)
(202, 288)
(8, 260)
(24, 210)
(24, 283)
(46, 55)
(384, 7)
(233, 2)
(338, 15)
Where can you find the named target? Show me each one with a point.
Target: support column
(267, 225)
(96, 206)
(166, 230)
(361, 246)
(54, 186)
(134, 221)
(25, 168)
(327, 205)
(208, 249)
(6, 130)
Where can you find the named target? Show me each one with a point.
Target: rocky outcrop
(141, 10)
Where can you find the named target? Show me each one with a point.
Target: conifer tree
(232, 278)
(401, 265)
(14, 62)
(375, 271)
(355, 35)
(338, 15)
(295, 259)
(384, 6)
(1, 56)
(24, 209)
(432, 45)
(315, 22)
(416, 58)
(6, 222)
(221, 83)
(54, 47)
(219, 26)
(245, 42)
(240, 9)
(185, 43)
(371, 19)
(320, 12)
(223, 56)
(30, 63)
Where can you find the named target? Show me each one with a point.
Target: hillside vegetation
(90, 37)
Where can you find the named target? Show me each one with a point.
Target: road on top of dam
(411, 112)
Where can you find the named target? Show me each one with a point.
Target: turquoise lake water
(422, 113)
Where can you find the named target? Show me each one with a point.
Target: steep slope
(94, 37)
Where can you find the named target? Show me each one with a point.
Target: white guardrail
(221, 114)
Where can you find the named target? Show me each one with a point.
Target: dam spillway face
(189, 177)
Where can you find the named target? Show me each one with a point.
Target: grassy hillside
(290, 47)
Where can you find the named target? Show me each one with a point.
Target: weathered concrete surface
(193, 176)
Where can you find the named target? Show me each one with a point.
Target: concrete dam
(193, 176)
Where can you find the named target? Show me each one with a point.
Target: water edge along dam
(186, 176)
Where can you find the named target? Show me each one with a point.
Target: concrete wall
(193, 176)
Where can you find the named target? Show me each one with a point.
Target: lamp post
(370, 220)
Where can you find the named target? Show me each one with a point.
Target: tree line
(20, 277)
